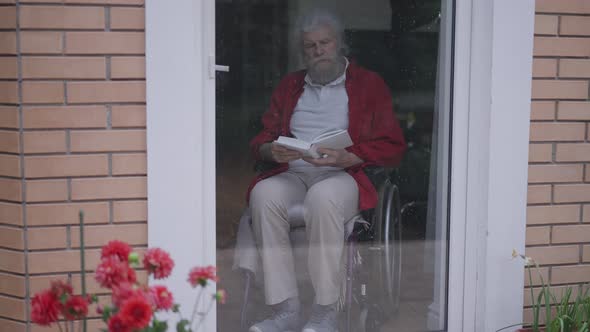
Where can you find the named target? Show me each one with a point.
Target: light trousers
(330, 199)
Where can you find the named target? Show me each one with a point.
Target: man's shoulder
(292, 80)
(359, 72)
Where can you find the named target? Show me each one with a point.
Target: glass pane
(357, 238)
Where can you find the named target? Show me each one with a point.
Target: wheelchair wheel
(387, 249)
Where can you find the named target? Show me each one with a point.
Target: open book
(336, 139)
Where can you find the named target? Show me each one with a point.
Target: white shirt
(321, 108)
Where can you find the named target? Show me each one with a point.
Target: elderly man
(332, 93)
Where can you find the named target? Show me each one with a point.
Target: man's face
(321, 51)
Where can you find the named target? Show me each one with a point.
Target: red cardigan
(373, 127)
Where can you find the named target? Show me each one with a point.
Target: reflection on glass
(379, 269)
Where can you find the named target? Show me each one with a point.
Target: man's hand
(277, 153)
(336, 158)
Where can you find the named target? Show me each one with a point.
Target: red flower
(116, 324)
(111, 271)
(161, 297)
(75, 308)
(200, 275)
(158, 262)
(136, 312)
(116, 248)
(60, 288)
(45, 308)
(123, 291)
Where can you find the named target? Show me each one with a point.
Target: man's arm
(382, 141)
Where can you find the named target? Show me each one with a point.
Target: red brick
(9, 165)
(62, 17)
(570, 274)
(553, 214)
(12, 308)
(573, 152)
(573, 110)
(47, 238)
(65, 166)
(586, 254)
(12, 261)
(46, 190)
(11, 214)
(130, 164)
(12, 238)
(586, 213)
(8, 17)
(536, 277)
(9, 141)
(60, 261)
(546, 24)
(106, 92)
(8, 67)
(64, 67)
(7, 42)
(564, 46)
(543, 68)
(109, 188)
(555, 173)
(552, 89)
(9, 117)
(64, 117)
(540, 152)
(538, 235)
(574, 68)
(128, 116)
(572, 193)
(9, 93)
(557, 132)
(43, 92)
(563, 6)
(570, 234)
(11, 325)
(105, 43)
(554, 254)
(12, 285)
(41, 42)
(67, 214)
(127, 18)
(94, 236)
(539, 194)
(127, 211)
(44, 141)
(11, 190)
(575, 25)
(128, 68)
(108, 140)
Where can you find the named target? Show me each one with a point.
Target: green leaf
(182, 326)
(176, 307)
(159, 326)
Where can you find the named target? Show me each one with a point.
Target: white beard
(325, 74)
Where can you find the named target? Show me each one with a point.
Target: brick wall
(558, 213)
(72, 136)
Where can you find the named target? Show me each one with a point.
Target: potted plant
(565, 315)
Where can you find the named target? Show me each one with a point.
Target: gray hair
(315, 19)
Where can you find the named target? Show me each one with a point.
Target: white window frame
(490, 123)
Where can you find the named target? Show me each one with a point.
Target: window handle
(213, 67)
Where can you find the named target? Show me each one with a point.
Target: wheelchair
(372, 263)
